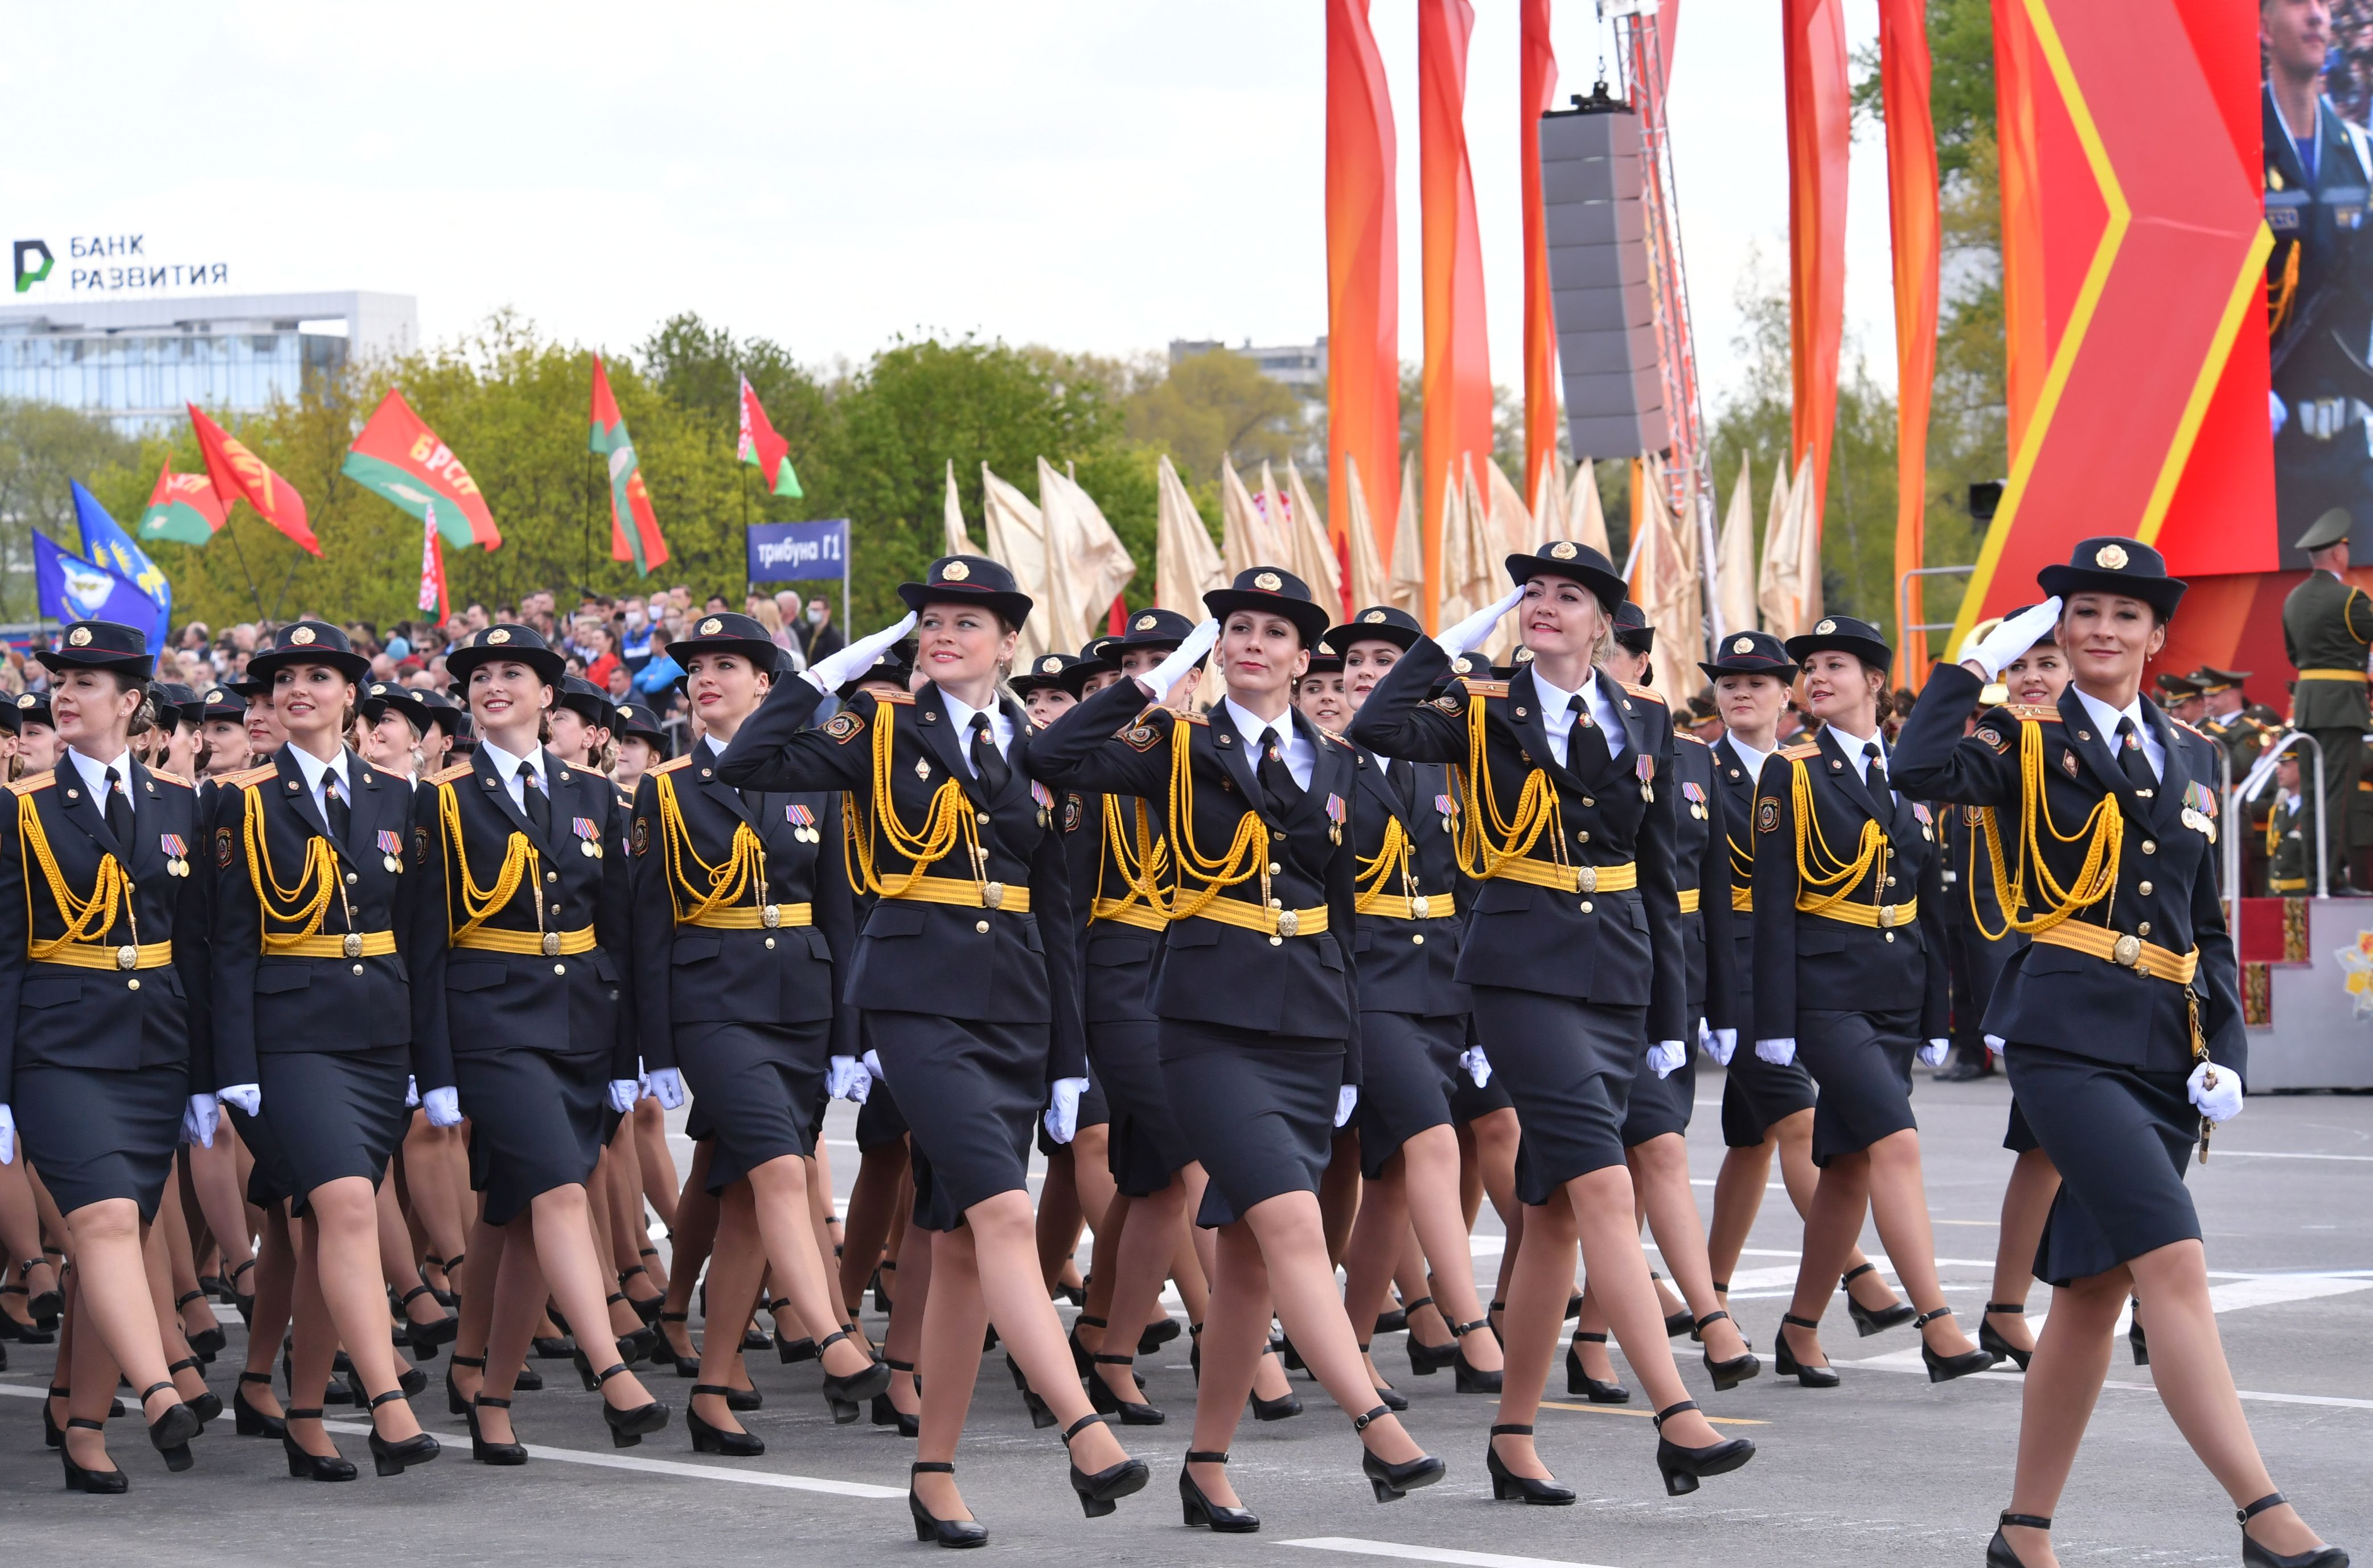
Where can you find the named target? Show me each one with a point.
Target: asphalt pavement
(1885, 1470)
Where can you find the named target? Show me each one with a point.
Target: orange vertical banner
(2028, 351)
(1457, 358)
(1363, 368)
(1814, 53)
(1536, 95)
(1915, 228)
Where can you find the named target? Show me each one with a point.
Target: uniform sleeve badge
(222, 847)
(2068, 763)
(1075, 811)
(1767, 815)
(419, 846)
(1992, 737)
(1140, 737)
(642, 836)
(843, 726)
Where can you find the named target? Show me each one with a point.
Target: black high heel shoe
(52, 1436)
(1866, 1320)
(1426, 1359)
(708, 1439)
(305, 1465)
(1081, 1354)
(249, 1421)
(741, 1401)
(1157, 1335)
(845, 1395)
(1578, 1381)
(887, 1413)
(646, 1307)
(171, 1432)
(483, 1452)
(208, 1404)
(1525, 1489)
(882, 1296)
(1394, 1401)
(1683, 1467)
(556, 1347)
(1393, 1322)
(44, 1309)
(2256, 1556)
(207, 1343)
(1040, 1416)
(390, 1459)
(529, 1381)
(1993, 1343)
(244, 1305)
(1466, 1376)
(1784, 1360)
(454, 1403)
(1099, 1493)
(1728, 1374)
(1202, 1511)
(425, 1337)
(1132, 1413)
(1289, 1405)
(1943, 1369)
(1675, 1323)
(629, 1427)
(448, 1298)
(788, 1350)
(2000, 1553)
(99, 1483)
(1393, 1482)
(944, 1532)
(2134, 1339)
(686, 1366)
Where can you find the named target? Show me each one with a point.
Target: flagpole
(253, 592)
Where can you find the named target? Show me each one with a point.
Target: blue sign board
(799, 552)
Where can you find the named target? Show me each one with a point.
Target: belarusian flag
(240, 475)
(182, 507)
(400, 460)
(764, 450)
(629, 502)
(432, 567)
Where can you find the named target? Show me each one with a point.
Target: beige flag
(1098, 565)
(1369, 584)
(1244, 538)
(1549, 506)
(1511, 532)
(1584, 513)
(953, 540)
(1185, 563)
(1406, 584)
(1734, 573)
(1780, 593)
(1665, 582)
(1808, 548)
(1470, 569)
(1312, 556)
(1017, 541)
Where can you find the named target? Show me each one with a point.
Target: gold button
(770, 944)
(2143, 888)
(981, 926)
(1581, 835)
(1890, 882)
(352, 879)
(552, 876)
(1276, 942)
(560, 968)
(2150, 847)
(555, 908)
(1586, 905)
(358, 968)
(1275, 869)
(1588, 802)
(1417, 941)
(983, 817)
(133, 985)
(2141, 928)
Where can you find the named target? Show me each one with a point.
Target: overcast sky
(1099, 176)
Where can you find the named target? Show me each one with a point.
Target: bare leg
(692, 1237)
(315, 1342)
(275, 1277)
(734, 1272)
(347, 1235)
(1801, 1178)
(778, 1189)
(904, 1338)
(515, 1283)
(1059, 1221)
(1003, 1253)
(1092, 1170)
(1899, 1203)
(1338, 1194)
(1235, 1328)
(2072, 1358)
(564, 1251)
(1660, 1167)
(1138, 1264)
(657, 1161)
(91, 1370)
(396, 1261)
(865, 1234)
(190, 1379)
(953, 1321)
(1737, 1198)
(1431, 1161)
(1378, 1239)
(479, 1281)
(429, 1176)
(2026, 1204)
(193, 1315)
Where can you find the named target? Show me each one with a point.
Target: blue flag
(74, 590)
(105, 543)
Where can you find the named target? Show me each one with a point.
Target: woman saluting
(2121, 1018)
(967, 974)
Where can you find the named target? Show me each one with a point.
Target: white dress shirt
(1752, 757)
(961, 713)
(316, 771)
(1852, 744)
(1301, 756)
(508, 766)
(94, 775)
(2107, 719)
(1557, 713)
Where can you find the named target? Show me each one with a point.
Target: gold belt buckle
(552, 945)
(771, 916)
(354, 944)
(2128, 951)
(992, 895)
(1288, 921)
(127, 958)
(1887, 917)
(1418, 905)
(1586, 878)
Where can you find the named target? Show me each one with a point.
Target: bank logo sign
(111, 263)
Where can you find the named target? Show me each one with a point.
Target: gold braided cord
(1141, 865)
(1817, 865)
(951, 817)
(303, 905)
(1391, 863)
(1248, 853)
(88, 919)
(1536, 808)
(744, 870)
(2103, 830)
(521, 862)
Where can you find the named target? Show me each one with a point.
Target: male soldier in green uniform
(2227, 721)
(2180, 696)
(2327, 628)
(2287, 848)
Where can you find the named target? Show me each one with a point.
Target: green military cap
(2211, 680)
(2325, 531)
(2180, 688)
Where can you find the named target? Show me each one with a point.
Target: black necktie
(1873, 778)
(1402, 776)
(334, 800)
(2136, 766)
(118, 810)
(987, 760)
(1276, 778)
(539, 804)
(1586, 756)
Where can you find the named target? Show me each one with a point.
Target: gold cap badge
(1050, 665)
(954, 571)
(1825, 629)
(80, 637)
(1564, 550)
(1373, 617)
(1744, 645)
(28, 700)
(711, 626)
(1146, 623)
(1268, 583)
(499, 637)
(2110, 557)
(302, 636)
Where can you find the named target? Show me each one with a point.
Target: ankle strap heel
(2025, 1521)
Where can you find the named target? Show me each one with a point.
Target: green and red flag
(764, 450)
(634, 531)
(240, 475)
(183, 508)
(400, 459)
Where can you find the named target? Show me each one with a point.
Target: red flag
(432, 567)
(1362, 273)
(182, 507)
(399, 458)
(1912, 212)
(764, 450)
(1538, 65)
(1457, 376)
(628, 498)
(1820, 90)
(239, 475)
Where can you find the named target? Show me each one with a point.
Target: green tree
(1212, 405)
(42, 447)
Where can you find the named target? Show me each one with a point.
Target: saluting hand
(835, 671)
(1475, 629)
(1158, 681)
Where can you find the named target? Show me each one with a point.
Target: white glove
(248, 1097)
(1475, 629)
(443, 1106)
(1346, 1099)
(1478, 1065)
(1063, 1108)
(835, 671)
(848, 1079)
(1933, 1053)
(2007, 641)
(411, 1091)
(1778, 1053)
(1721, 1045)
(1666, 1057)
(873, 1065)
(1184, 657)
(1995, 1043)
(623, 1093)
(8, 1136)
(2220, 1100)
(201, 1119)
(667, 1083)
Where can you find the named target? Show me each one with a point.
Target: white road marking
(1430, 1554)
(2272, 1155)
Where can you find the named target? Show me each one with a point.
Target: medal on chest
(1645, 767)
(1335, 813)
(1046, 798)
(390, 849)
(177, 854)
(588, 837)
(1695, 795)
(1447, 808)
(2200, 810)
(803, 823)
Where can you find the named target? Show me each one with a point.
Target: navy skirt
(535, 1123)
(95, 1133)
(1146, 1146)
(972, 1094)
(2122, 1139)
(1660, 1106)
(755, 1087)
(1758, 1095)
(1256, 1109)
(1568, 1065)
(1862, 1063)
(1409, 1076)
(333, 1114)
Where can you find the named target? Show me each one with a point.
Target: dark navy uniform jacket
(1736, 786)
(1116, 957)
(2165, 893)
(286, 1001)
(1701, 861)
(1411, 965)
(62, 1015)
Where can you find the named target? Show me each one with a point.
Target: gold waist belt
(747, 917)
(1570, 879)
(352, 945)
(2286, 884)
(1880, 916)
(965, 895)
(2355, 676)
(1393, 906)
(2130, 952)
(1691, 898)
(548, 944)
(1127, 912)
(1273, 923)
(1742, 899)
(99, 955)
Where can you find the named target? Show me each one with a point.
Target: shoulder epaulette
(171, 778)
(27, 786)
(671, 764)
(1684, 737)
(2193, 728)
(247, 776)
(1483, 688)
(1651, 693)
(1798, 754)
(2040, 712)
(903, 699)
(1335, 736)
(447, 774)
